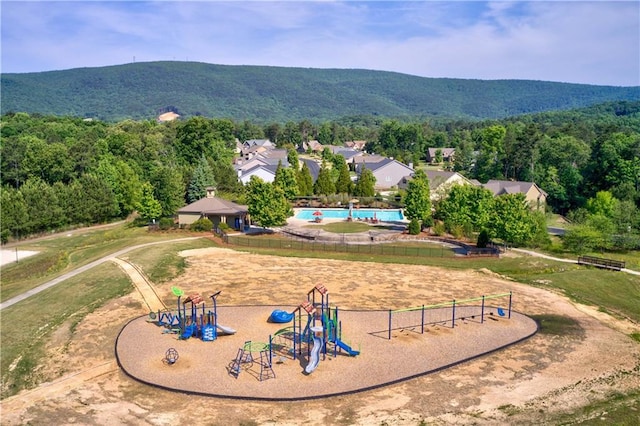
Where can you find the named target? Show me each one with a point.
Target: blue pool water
(382, 215)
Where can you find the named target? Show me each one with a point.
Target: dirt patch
(521, 384)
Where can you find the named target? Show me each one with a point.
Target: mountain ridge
(143, 90)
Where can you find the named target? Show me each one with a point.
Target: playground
(519, 384)
(314, 351)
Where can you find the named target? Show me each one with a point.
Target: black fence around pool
(372, 249)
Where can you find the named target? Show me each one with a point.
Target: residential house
(440, 182)
(357, 145)
(388, 172)
(534, 195)
(262, 165)
(266, 172)
(448, 154)
(217, 210)
(313, 146)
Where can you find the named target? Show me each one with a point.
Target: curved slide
(314, 358)
(225, 330)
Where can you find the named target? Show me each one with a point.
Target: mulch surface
(203, 367)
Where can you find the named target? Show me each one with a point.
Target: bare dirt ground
(523, 384)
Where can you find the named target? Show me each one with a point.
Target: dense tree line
(142, 91)
(63, 171)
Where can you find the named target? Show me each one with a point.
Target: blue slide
(346, 348)
(314, 358)
(281, 316)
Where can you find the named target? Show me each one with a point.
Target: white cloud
(584, 42)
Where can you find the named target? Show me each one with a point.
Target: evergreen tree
(344, 184)
(324, 185)
(305, 181)
(201, 179)
(365, 185)
(226, 178)
(43, 207)
(418, 199)
(294, 161)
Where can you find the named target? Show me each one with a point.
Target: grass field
(26, 326)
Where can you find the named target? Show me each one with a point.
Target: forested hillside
(274, 94)
(587, 160)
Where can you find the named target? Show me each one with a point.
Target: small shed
(217, 210)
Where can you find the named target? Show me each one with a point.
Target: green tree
(305, 181)
(512, 220)
(344, 185)
(489, 162)
(14, 214)
(582, 239)
(604, 204)
(168, 189)
(226, 178)
(291, 135)
(199, 136)
(202, 178)
(43, 208)
(365, 185)
(417, 200)
(466, 205)
(97, 204)
(559, 170)
(285, 179)
(293, 159)
(324, 184)
(266, 203)
(128, 190)
(149, 208)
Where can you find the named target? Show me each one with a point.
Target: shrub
(166, 223)
(483, 239)
(457, 231)
(414, 227)
(201, 225)
(439, 229)
(223, 226)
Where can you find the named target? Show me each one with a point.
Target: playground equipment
(440, 314)
(314, 356)
(171, 356)
(280, 316)
(244, 359)
(198, 322)
(321, 329)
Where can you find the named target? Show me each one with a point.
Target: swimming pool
(380, 214)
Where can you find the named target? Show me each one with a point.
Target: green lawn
(26, 326)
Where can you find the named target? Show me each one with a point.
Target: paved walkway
(80, 270)
(557, 259)
(142, 284)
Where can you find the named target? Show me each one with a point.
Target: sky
(595, 42)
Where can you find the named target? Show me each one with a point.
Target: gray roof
(499, 187)
(214, 205)
(314, 168)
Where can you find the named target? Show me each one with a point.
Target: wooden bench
(599, 262)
